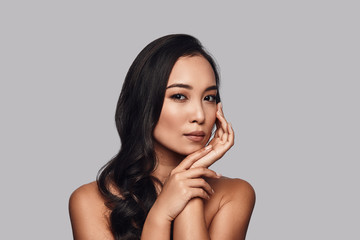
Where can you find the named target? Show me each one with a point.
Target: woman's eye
(178, 96)
(210, 98)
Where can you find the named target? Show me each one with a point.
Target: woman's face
(189, 110)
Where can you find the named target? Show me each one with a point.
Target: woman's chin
(191, 150)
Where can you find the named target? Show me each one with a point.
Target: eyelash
(178, 97)
(182, 97)
(213, 98)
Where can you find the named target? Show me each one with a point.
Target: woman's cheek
(172, 120)
(212, 116)
(210, 125)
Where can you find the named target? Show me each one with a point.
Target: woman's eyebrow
(181, 85)
(211, 88)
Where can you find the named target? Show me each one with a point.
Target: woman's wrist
(195, 204)
(157, 214)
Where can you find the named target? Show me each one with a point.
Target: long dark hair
(126, 181)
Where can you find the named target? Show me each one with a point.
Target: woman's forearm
(190, 223)
(156, 227)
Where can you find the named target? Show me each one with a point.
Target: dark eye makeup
(210, 98)
(182, 97)
(178, 96)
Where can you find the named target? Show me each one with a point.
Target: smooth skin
(201, 203)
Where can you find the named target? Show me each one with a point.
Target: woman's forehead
(192, 70)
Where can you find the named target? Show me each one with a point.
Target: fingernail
(212, 190)
(218, 174)
(208, 147)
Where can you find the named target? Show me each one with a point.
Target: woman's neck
(166, 161)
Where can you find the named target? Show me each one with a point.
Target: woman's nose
(197, 113)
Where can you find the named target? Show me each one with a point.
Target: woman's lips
(196, 136)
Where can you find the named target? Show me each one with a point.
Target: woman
(159, 186)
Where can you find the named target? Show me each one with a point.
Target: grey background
(290, 87)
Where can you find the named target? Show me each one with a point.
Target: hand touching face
(223, 140)
(186, 181)
(188, 116)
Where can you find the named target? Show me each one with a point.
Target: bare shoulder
(234, 201)
(87, 195)
(88, 213)
(233, 189)
(89, 189)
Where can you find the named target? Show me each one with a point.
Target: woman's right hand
(183, 184)
(223, 140)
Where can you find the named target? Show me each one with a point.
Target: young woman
(159, 185)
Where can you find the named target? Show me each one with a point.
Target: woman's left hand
(223, 140)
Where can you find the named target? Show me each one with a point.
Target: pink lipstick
(196, 136)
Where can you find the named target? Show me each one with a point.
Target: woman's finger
(207, 160)
(189, 160)
(219, 131)
(198, 192)
(199, 172)
(218, 151)
(224, 127)
(231, 137)
(217, 122)
(200, 183)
